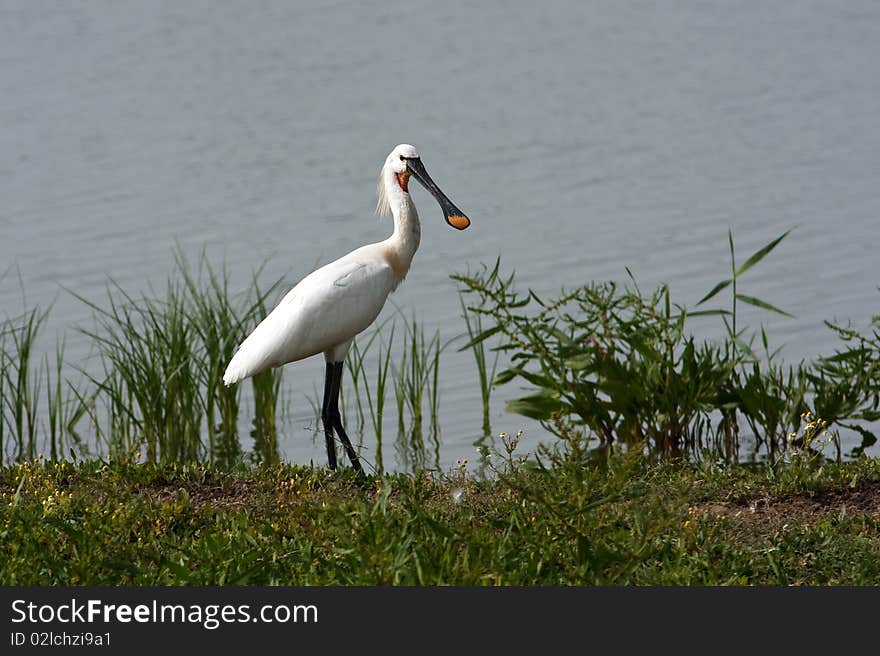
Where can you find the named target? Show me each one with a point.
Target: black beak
(454, 216)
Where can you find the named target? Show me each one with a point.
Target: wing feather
(326, 308)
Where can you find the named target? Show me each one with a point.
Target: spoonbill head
(330, 306)
(402, 163)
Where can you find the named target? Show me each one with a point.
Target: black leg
(325, 417)
(335, 417)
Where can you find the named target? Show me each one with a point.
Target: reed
(415, 386)
(64, 408)
(374, 396)
(23, 381)
(355, 364)
(162, 360)
(39, 408)
(377, 404)
(147, 348)
(216, 322)
(476, 344)
(266, 388)
(4, 367)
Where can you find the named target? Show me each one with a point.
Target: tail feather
(243, 365)
(234, 373)
(254, 354)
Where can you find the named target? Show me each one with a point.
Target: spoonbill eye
(402, 158)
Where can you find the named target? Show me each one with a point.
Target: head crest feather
(383, 206)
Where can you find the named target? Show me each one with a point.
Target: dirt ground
(798, 508)
(230, 494)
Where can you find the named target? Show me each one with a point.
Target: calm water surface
(581, 138)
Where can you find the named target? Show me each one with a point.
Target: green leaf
(579, 362)
(537, 379)
(717, 288)
(757, 302)
(702, 313)
(732, 251)
(438, 528)
(760, 253)
(744, 347)
(558, 334)
(854, 354)
(538, 406)
(481, 337)
(505, 376)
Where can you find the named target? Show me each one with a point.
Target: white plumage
(323, 312)
(330, 306)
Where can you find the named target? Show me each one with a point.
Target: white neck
(402, 245)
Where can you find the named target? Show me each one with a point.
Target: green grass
(154, 384)
(374, 394)
(416, 386)
(20, 387)
(575, 518)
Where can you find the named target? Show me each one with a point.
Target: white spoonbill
(327, 308)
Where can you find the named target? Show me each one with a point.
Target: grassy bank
(572, 520)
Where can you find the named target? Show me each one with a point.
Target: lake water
(580, 137)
